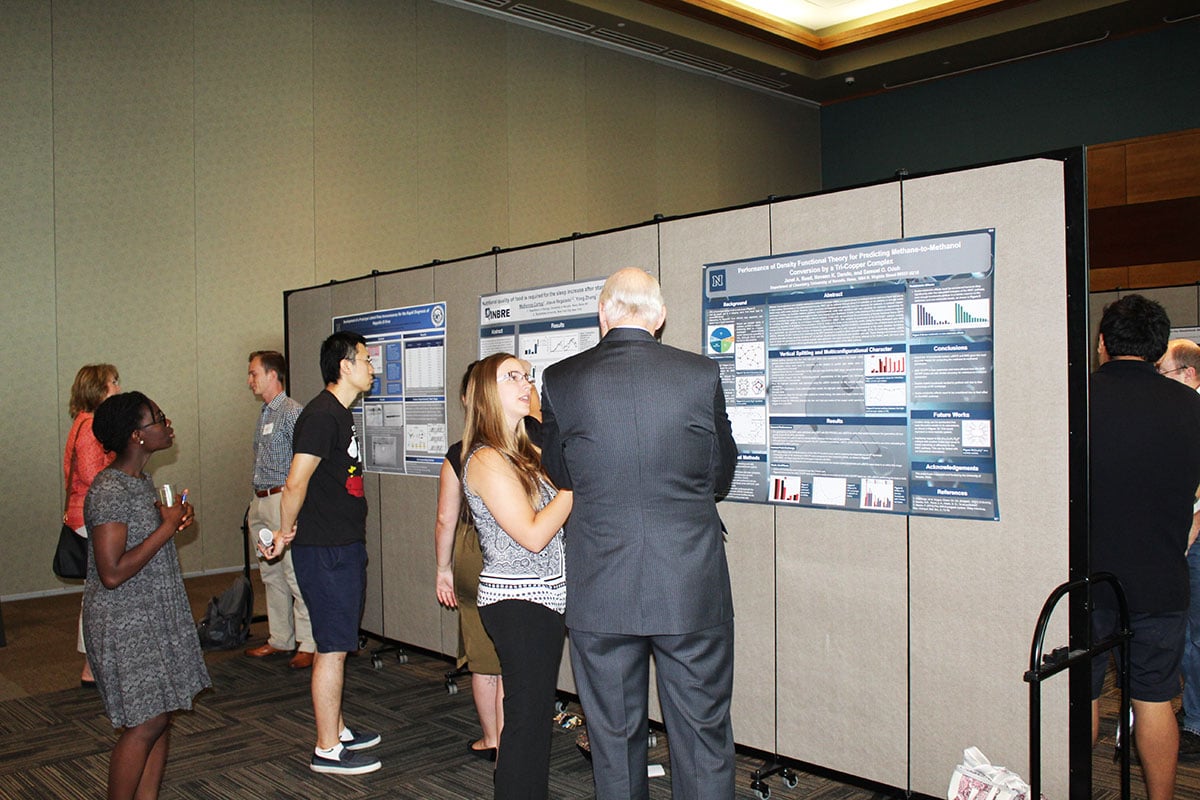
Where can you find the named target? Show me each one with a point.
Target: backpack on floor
(226, 623)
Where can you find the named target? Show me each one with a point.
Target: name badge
(270, 426)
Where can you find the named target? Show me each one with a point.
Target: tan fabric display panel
(686, 245)
(308, 315)
(254, 232)
(538, 266)
(364, 57)
(125, 235)
(597, 257)
(977, 587)
(353, 297)
(461, 135)
(33, 469)
(841, 576)
(410, 611)
(459, 284)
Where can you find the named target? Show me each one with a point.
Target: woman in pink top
(84, 457)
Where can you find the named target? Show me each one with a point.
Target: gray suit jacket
(638, 430)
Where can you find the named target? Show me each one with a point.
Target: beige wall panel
(769, 146)
(124, 209)
(410, 610)
(602, 255)
(365, 96)
(841, 575)
(1179, 301)
(37, 423)
(459, 284)
(462, 172)
(841, 642)
(620, 102)
(547, 141)
(254, 229)
(686, 245)
(545, 265)
(35, 426)
(970, 638)
(308, 315)
(688, 143)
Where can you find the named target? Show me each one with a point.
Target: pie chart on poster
(721, 340)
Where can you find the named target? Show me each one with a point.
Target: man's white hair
(632, 293)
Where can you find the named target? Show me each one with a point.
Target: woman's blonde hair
(486, 425)
(90, 387)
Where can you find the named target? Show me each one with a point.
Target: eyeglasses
(1169, 371)
(155, 419)
(513, 375)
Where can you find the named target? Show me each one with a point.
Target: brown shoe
(301, 660)
(263, 650)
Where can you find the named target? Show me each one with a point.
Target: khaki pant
(287, 616)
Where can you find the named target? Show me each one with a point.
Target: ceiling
(835, 53)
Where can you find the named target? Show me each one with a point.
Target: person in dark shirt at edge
(1145, 469)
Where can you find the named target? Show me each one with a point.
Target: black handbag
(70, 557)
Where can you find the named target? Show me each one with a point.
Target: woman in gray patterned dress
(137, 624)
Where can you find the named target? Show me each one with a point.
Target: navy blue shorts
(333, 582)
(1155, 655)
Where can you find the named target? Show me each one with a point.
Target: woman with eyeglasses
(84, 458)
(137, 623)
(522, 588)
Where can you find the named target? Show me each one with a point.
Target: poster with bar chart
(541, 326)
(860, 377)
(401, 422)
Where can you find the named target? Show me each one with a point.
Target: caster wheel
(401, 658)
(376, 662)
(362, 642)
(790, 779)
(560, 707)
(762, 791)
(652, 739)
(451, 687)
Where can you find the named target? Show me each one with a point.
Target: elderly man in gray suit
(638, 430)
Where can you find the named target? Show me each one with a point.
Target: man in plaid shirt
(287, 616)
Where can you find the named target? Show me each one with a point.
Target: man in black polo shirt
(1145, 469)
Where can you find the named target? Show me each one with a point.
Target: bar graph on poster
(860, 377)
(401, 421)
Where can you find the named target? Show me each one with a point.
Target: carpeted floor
(250, 736)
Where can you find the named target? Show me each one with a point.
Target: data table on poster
(401, 421)
(860, 377)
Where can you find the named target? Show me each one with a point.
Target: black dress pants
(529, 640)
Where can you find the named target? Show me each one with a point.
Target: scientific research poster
(542, 326)
(401, 422)
(861, 377)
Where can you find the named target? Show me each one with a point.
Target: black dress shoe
(486, 753)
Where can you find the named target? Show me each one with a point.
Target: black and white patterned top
(510, 572)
